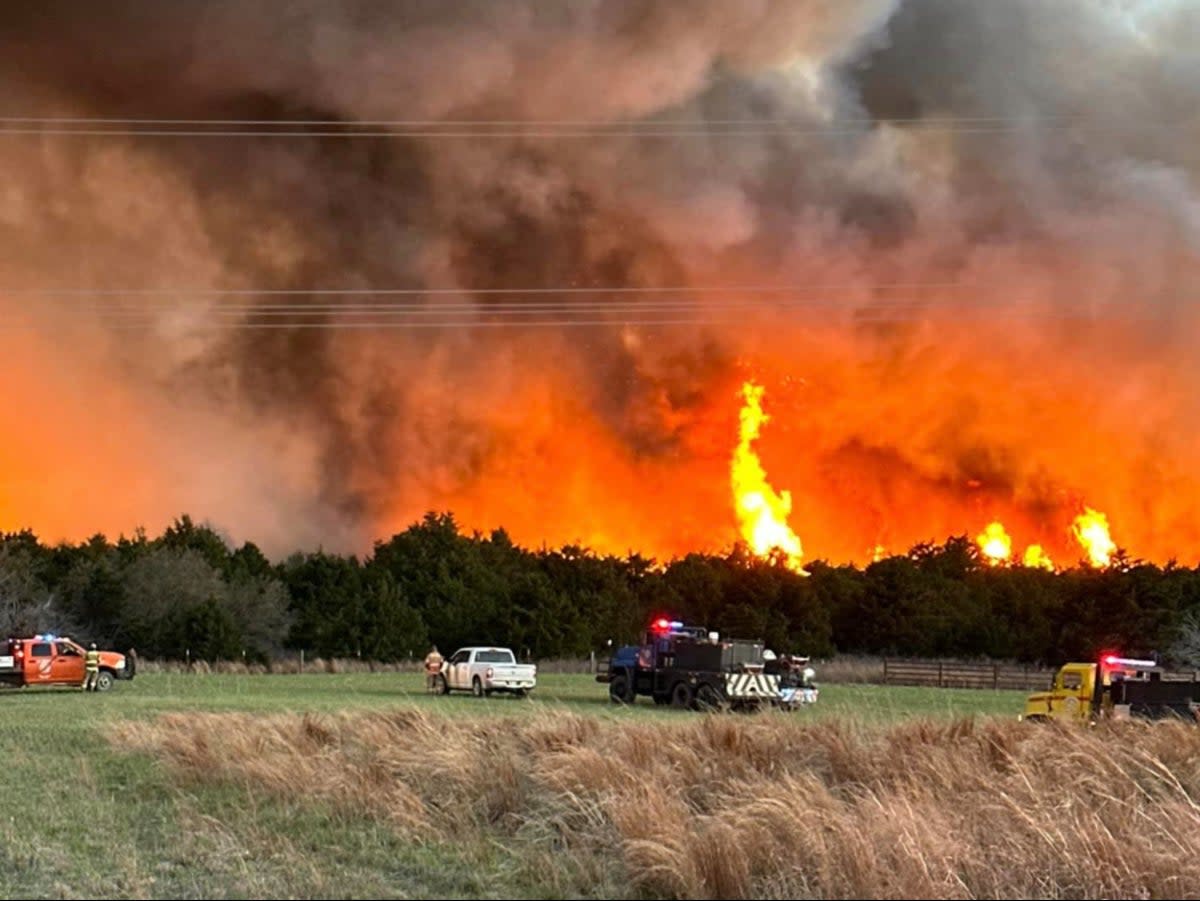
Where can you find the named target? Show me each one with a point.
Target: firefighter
(433, 666)
(91, 668)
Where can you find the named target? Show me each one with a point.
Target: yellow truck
(1116, 687)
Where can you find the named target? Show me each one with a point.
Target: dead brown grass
(726, 807)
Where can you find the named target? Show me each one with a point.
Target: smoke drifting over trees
(988, 212)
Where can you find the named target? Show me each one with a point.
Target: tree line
(189, 593)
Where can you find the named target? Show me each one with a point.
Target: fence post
(592, 656)
(885, 674)
(302, 661)
(995, 676)
(940, 685)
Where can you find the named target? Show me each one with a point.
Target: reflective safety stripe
(752, 685)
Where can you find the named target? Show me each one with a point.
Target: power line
(530, 128)
(438, 310)
(538, 307)
(549, 123)
(556, 319)
(634, 133)
(558, 289)
(115, 307)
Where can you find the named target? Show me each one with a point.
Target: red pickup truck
(57, 660)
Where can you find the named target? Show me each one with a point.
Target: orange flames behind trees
(995, 544)
(1036, 558)
(1091, 529)
(762, 514)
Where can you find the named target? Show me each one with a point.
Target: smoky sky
(1033, 165)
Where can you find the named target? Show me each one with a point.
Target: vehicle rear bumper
(511, 684)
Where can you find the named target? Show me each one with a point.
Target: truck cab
(1072, 696)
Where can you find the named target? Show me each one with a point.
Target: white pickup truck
(485, 670)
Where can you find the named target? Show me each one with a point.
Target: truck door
(460, 670)
(39, 662)
(1072, 698)
(68, 663)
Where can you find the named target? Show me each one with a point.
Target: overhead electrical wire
(566, 306)
(66, 126)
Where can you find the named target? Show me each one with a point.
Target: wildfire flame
(1091, 528)
(995, 544)
(1036, 557)
(762, 514)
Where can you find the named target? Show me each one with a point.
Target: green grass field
(83, 818)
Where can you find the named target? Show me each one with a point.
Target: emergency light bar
(1114, 660)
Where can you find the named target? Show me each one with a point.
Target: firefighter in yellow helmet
(91, 668)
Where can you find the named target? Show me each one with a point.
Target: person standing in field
(91, 668)
(433, 666)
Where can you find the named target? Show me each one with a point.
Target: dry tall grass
(729, 807)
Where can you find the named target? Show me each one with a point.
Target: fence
(948, 674)
(933, 673)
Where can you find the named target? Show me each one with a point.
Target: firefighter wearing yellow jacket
(91, 668)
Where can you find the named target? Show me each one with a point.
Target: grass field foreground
(361, 785)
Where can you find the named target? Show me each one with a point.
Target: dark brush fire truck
(690, 668)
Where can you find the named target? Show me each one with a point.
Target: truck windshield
(495, 657)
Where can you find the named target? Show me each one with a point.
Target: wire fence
(846, 669)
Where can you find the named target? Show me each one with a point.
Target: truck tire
(709, 699)
(104, 680)
(618, 689)
(443, 687)
(477, 687)
(681, 695)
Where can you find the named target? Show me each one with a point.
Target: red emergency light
(664, 626)
(1132, 662)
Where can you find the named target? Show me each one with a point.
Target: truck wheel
(709, 699)
(477, 687)
(104, 681)
(443, 687)
(618, 689)
(681, 695)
